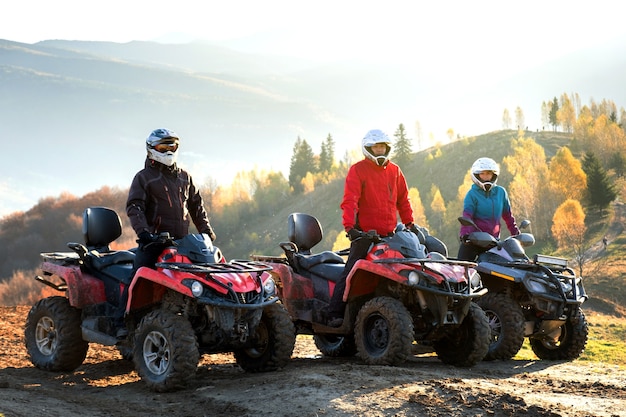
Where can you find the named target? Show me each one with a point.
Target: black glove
(211, 233)
(145, 238)
(354, 234)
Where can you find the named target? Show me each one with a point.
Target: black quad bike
(397, 295)
(194, 302)
(538, 298)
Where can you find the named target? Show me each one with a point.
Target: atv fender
(82, 289)
(365, 277)
(149, 285)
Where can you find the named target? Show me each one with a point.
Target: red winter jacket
(373, 196)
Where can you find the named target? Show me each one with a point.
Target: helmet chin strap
(487, 186)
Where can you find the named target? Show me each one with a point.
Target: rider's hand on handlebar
(146, 237)
(354, 234)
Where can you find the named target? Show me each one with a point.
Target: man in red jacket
(375, 193)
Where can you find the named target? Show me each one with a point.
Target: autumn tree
(419, 214)
(271, 193)
(568, 229)
(506, 120)
(401, 147)
(567, 178)
(545, 114)
(566, 114)
(519, 118)
(437, 209)
(529, 187)
(302, 161)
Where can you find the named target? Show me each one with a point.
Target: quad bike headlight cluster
(536, 286)
(474, 279)
(413, 278)
(269, 286)
(197, 288)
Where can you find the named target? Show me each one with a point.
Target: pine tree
(327, 155)
(600, 191)
(402, 147)
(554, 121)
(302, 162)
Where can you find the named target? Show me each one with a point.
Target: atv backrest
(304, 230)
(101, 226)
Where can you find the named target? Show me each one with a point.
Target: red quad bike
(538, 298)
(396, 295)
(193, 303)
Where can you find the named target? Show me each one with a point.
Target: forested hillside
(545, 173)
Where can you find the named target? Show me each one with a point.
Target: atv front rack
(235, 266)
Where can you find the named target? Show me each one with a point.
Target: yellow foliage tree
(308, 183)
(529, 187)
(419, 215)
(438, 210)
(566, 114)
(567, 178)
(568, 228)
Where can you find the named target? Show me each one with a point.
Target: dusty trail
(311, 385)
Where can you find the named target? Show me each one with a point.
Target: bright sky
(478, 38)
(450, 31)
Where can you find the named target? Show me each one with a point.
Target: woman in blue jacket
(486, 204)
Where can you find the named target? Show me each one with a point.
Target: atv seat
(101, 226)
(326, 257)
(305, 231)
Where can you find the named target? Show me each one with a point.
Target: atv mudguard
(81, 289)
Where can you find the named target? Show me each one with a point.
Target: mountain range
(75, 114)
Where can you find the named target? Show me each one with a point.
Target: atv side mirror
(468, 222)
(525, 224)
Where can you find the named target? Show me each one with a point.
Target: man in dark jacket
(163, 198)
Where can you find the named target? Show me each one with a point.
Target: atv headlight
(196, 288)
(536, 286)
(474, 279)
(269, 286)
(413, 278)
(566, 287)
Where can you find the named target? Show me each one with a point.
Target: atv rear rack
(234, 266)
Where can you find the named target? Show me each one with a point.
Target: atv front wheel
(506, 321)
(272, 342)
(383, 332)
(335, 346)
(53, 336)
(166, 351)
(568, 344)
(467, 344)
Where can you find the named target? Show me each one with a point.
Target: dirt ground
(311, 385)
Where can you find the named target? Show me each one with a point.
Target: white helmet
(372, 138)
(485, 164)
(162, 145)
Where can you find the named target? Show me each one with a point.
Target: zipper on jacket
(168, 195)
